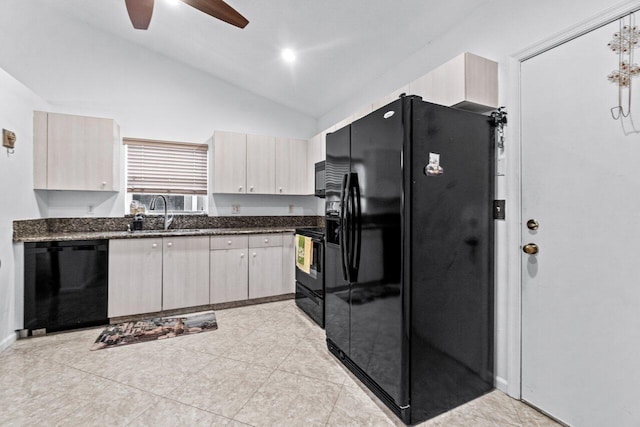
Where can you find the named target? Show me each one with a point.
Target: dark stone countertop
(100, 235)
(64, 229)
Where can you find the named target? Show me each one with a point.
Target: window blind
(166, 167)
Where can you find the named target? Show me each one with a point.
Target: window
(176, 170)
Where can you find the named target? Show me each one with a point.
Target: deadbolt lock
(532, 224)
(530, 248)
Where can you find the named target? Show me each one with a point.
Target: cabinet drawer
(229, 242)
(265, 240)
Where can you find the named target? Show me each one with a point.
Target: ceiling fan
(140, 12)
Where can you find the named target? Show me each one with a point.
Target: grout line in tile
(251, 397)
(334, 405)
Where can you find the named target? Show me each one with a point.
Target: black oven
(320, 179)
(310, 286)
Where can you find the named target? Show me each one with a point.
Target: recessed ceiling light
(173, 2)
(288, 55)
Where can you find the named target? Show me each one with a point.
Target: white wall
(148, 94)
(495, 32)
(16, 187)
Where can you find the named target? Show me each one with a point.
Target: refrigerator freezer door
(336, 167)
(337, 295)
(377, 340)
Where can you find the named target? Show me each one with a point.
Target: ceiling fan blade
(219, 9)
(140, 12)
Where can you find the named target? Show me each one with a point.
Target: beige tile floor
(266, 365)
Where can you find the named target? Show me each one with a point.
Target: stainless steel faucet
(168, 219)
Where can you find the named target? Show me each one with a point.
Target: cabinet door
(288, 264)
(185, 271)
(265, 272)
(291, 166)
(229, 162)
(229, 277)
(261, 163)
(135, 276)
(80, 153)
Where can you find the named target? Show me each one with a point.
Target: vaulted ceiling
(341, 44)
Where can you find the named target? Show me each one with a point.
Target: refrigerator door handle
(357, 229)
(344, 196)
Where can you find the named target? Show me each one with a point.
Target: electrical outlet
(235, 209)
(291, 208)
(90, 210)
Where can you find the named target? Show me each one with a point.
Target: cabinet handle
(281, 189)
(228, 242)
(241, 255)
(104, 183)
(251, 188)
(266, 240)
(254, 254)
(240, 188)
(169, 244)
(155, 245)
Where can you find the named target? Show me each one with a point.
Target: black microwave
(320, 179)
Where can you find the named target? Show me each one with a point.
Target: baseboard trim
(5, 343)
(501, 384)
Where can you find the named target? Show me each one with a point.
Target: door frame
(513, 183)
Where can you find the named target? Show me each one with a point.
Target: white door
(581, 291)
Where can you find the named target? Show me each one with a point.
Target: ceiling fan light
(288, 55)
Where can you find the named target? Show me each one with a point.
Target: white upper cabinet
(261, 164)
(229, 160)
(76, 153)
(291, 166)
(257, 164)
(468, 82)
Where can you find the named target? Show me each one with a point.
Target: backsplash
(32, 227)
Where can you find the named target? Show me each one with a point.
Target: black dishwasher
(65, 284)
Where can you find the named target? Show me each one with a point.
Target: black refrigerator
(409, 255)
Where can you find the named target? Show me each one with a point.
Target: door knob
(532, 224)
(530, 248)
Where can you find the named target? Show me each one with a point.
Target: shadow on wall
(259, 205)
(628, 125)
(65, 204)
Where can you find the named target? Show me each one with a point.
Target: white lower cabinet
(147, 275)
(265, 265)
(135, 276)
(185, 272)
(288, 264)
(229, 276)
